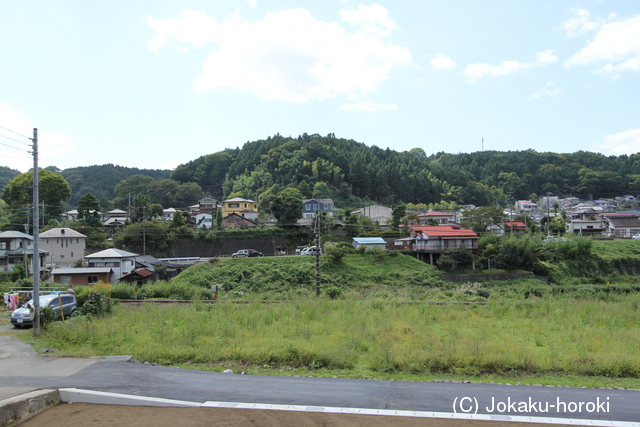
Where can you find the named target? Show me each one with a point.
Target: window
(234, 205)
(3, 245)
(92, 279)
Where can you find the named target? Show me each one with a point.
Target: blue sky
(156, 83)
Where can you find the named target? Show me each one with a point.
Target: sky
(155, 83)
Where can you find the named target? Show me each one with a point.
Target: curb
(17, 409)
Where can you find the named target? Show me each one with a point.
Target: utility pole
(144, 231)
(317, 230)
(548, 217)
(36, 238)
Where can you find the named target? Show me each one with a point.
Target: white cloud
(474, 72)
(627, 142)
(372, 19)
(287, 55)
(368, 106)
(551, 89)
(617, 43)
(579, 23)
(442, 62)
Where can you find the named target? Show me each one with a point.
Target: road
(20, 367)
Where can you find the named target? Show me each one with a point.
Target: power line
(15, 148)
(19, 134)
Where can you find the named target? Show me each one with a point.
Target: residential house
(620, 225)
(433, 240)
(121, 262)
(381, 214)
(369, 243)
(201, 220)
(585, 221)
(526, 206)
(81, 276)
(65, 246)
(167, 214)
(114, 220)
(17, 248)
(145, 270)
(309, 207)
(237, 221)
(440, 218)
(243, 207)
(516, 227)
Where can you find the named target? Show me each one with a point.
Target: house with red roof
(518, 227)
(441, 218)
(429, 241)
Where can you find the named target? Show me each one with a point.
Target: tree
(321, 191)
(454, 258)
(397, 214)
(482, 218)
(89, 210)
(286, 206)
(188, 194)
(164, 192)
(140, 209)
(53, 190)
(150, 237)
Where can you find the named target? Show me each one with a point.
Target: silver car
(24, 315)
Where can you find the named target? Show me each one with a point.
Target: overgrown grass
(588, 337)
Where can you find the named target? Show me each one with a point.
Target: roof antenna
(483, 143)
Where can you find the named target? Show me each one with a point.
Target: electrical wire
(19, 134)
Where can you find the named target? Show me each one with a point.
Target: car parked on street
(23, 316)
(243, 253)
(311, 250)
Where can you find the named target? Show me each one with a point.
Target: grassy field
(376, 318)
(575, 342)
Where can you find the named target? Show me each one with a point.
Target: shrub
(96, 304)
(47, 316)
(123, 291)
(335, 252)
(334, 292)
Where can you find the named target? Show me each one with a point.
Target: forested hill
(101, 180)
(348, 171)
(350, 168)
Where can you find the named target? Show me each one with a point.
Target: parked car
(242, 253)
(311, 250)
(23, 315)
(636, 237)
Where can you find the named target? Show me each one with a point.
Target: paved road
(20, 367)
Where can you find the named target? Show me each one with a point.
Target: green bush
(123, 291)
(96, 304)
(334, 292)
(47, 316)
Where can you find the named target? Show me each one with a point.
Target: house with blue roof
(369, 243)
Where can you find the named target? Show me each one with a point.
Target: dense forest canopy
(349, 171)
(101, 180)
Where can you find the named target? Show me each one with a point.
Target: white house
(65, 246)
(369, 243)
(121, 262)
(379, 213)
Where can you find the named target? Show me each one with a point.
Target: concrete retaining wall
(17, 409)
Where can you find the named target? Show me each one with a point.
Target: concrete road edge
(15, 410)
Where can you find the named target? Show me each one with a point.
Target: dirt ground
(84, 414)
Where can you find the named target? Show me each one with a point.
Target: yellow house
(243, 207)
